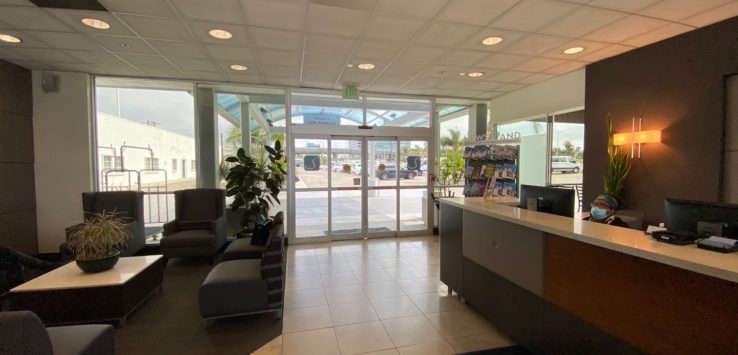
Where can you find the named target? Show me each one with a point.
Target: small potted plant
(96, 243)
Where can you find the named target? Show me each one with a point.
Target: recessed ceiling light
(10, 39)
(366, 66)
(491, 41)
(475, 74)
(573, 50)
(462, 74)
(95, 23)
(239, 67)
(349, 65)
(220, 34)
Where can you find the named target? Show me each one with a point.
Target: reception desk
(561, 285)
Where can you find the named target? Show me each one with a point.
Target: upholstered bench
(242, 248)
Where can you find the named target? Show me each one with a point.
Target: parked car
(565, 164)
(390, 172)
(423, 168)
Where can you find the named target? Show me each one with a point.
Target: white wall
(63, 163)
(560, 93)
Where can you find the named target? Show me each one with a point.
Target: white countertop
(71, 276)
(627, 241)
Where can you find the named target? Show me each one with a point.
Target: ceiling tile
(231, 53)
(319, 44)
(712, 16)
(463, 57)
(280, 14)
(417, 54)
(31, 64)
(485, 85)
(582, 21)
(72, 18)
(474, 12)
(280, 71)
(120, 69)
(77, 67)
(502, 61)
(157, 27)
(622, 5)
(530, 15)
(30, 18)
(508, 37)
(356, 77)
(421, 82)
(403, 69)
(145, 62)
(276, 39)
(625, 28)
(64, 40)
(676, 10)
(204, 75)
(282, 81)
(192, 64)
(46, 55)
(225, 67)
(535, 78)
(123, 44)
(333, 20)
(228, 11)
(589, 47)
(444, 71)
(244, 78)
(9, 54)
(537, 64)
(393, 28)
(377, 50)
(606, 52)
(508, 76)
(240, 33)
(379, 65)
(446, 34)
(140, 7)
(317, 84)
(510, 87)
(535, 44)
(670, 30)
(415, 8)
(310, 74)
(394, 80)
(177, 49)
(16, 2)
(28, 40)
(565, 67)
(270, 56)
(455, 83)
(95, 56)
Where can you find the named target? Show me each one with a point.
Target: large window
(567, 148)
(453, 132)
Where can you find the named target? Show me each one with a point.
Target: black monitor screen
(684, 215)
(549, 199)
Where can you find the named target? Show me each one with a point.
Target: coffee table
(67, 295)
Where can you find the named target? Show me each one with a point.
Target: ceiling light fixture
(239, 67)
(366, 66)
(95, 23)
(462, 74)
(491, 41)
(220, 34)
(573, 50)
(9, 38)
(475, 74)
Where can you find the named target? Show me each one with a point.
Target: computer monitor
(548, 199)
(685, 215)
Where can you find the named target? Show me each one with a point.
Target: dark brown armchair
(199, 225)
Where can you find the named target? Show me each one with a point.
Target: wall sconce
(636, 137)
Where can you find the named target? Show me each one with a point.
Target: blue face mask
(598, 213)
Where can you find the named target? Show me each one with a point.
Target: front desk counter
(560, 285)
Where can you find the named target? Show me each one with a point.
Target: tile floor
(377, 296)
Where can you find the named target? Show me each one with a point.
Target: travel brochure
(492, 152)
(490, 171)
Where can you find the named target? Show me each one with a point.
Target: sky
(171, 110)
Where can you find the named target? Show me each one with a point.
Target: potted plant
(255, 184)
(96, 243)
(618, 165)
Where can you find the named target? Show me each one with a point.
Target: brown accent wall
(17, 183)
(678, 86)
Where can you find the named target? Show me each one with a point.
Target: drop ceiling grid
(152, 23)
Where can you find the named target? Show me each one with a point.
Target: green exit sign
(350, 92)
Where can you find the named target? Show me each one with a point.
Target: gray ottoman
(240, 249)
(232, 288)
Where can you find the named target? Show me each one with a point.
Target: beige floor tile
(318, 342)
(433, 348)
(436, 302)
(330, 258)
(385, 253)
(309, 318)
(334, 268)
(411, 330)
(417, 285)
(395, 307)
(302, 260)
(274, 347)
(303, 283)
(479, 342)
(362, 338)
(344, 294)
(365, 265)
(302, 270)
(382, 290)
(304, 298)
(341, 279)
(372, 276)
(459, 323)
(403, 273)
(352, 312)
(383, 352)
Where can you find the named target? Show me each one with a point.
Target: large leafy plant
(618, 165)
(99, 237)
(255, 183)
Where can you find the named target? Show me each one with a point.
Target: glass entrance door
(347, 191)
(383, 173)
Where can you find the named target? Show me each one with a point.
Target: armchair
(24, 333)
(199, 225)
(128, 203)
